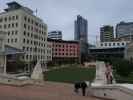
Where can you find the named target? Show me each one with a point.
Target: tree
(121, 66)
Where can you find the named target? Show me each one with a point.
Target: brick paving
(49, 91)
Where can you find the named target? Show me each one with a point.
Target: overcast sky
(60, 14)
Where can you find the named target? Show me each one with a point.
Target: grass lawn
(71, 74)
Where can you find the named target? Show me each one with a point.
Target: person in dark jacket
(83, 87)
(77, 85)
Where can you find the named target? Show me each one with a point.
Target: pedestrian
(83, 87)
(77, 85)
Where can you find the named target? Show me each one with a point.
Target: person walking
(77, 85)
(83, 87)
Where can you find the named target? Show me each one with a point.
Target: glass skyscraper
(81, 35)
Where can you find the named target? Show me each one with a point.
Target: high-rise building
(81, 34)
(25, 31)
(81, 29)
(106, 33)
(55, 35)
(124, 30)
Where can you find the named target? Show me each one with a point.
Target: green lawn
(71, 74)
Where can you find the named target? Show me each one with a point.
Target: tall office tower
(81, 34)
(55, 35)
(24, 31)
(106, 33)
(81, 29)
(124, 30)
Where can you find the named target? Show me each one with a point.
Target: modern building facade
(124, 30)
(81, 35)
(25, 31)
(106, 33)
(65, 51)
(55, 35)
(81, 29)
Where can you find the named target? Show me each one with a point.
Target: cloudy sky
(60, 14)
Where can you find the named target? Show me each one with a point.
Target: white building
(55, 35)
(25, 31)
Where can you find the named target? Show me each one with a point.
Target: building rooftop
(62, 41)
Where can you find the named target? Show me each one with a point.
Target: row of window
(12, 40)
(12, 25)
(65, 49)
(34, 49)
(31, 28)
(57, 45)
(12, 32)
(28, 34)
(27, 57)
(10, 18)
(112, 44)
(27, 41)
(70, 54)
(29, 20)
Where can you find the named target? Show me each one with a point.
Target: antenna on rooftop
(36, 12)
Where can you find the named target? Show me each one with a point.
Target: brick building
(65, 51)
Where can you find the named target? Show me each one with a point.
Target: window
(12, 32)
(27, 48)
(122, 43)
(27, 41)
(12, 24)
(118, 44)
(25, 26)
(16, 17)
(5, 19)
(9, 25)
(9, 18)
(25, 18)
(23, 48)
(24, 33)
(0, 26)
(31, 42)
(109, 44)
(113, 44)
(8, 32)
(23, 40)
(12, 40)
(28, 33)
(16, 24)
(13, 17)
(29, 20)
(105, 44)
(8, 40)
(16, 40)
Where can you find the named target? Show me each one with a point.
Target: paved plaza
(49, 91)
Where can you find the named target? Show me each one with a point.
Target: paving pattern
(49, 91)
